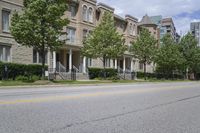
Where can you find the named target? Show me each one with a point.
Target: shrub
(157, 75)
(15, 70)
(22, 78)
(98, 73)
(35, 78)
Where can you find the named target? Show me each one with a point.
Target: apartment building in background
(195, 30)
(166, 26)
(84, 16)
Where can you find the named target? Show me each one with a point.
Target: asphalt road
(130, 108)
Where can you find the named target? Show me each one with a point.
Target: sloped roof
(146, 20)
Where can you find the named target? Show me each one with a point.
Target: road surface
(118, 108)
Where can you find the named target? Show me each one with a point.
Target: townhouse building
(84, 16)
(10, 51)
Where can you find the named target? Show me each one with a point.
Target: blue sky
(183, 12)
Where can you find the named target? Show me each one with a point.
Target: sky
(183, 12)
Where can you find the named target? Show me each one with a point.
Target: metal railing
(60, 68)
(76, 69)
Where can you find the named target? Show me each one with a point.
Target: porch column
(115, 63)
(70, 60)
(48, 58)
(124, 64)
(38, 57)
(54, 61)
(84, 64)
(132, 65)
(64, 58)
(112, 63)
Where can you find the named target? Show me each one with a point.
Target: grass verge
(89, 82)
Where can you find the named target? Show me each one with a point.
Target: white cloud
(166, 8)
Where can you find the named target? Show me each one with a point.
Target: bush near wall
(156, 75)
(15, 70)
(99, 73)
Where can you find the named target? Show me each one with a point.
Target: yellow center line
(90, 95)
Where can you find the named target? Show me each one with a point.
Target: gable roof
(146, 20)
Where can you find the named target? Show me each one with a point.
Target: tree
(144, 48)
(104, 42)
(190, 51)
(168, 58)
(40, 25)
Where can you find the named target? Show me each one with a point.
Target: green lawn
(90, 82)
(21, 83)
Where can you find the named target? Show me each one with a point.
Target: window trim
(6, 58)
(9, 21)
(70, 9)
(84, 11)
(90, 16)
(69, 39)
(38, 57)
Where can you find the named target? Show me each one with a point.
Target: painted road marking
(90, 95)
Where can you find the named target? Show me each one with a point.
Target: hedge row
(112, 74)
(15, 70)
(160, 75)
(99, 73)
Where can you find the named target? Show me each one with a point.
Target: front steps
(126, 76)
(70, 76)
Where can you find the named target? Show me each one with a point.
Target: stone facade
(18, 53)
(84, 16)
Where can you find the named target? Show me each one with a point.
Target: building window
(37, 56)
(5, 53)
(5, 20)
(107, 63)
(73, 10)
(133, 30)
(141, 66)
(89, 62)
(84, 13)
(71, 35)
(129, 46)
(130, 29)
(90, 15)
(86, 33)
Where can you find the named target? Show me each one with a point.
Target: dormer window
(84, 13)
(130, 28)
(90, 15)
(133, 30)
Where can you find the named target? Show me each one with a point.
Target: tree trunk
(104, 67)
(187, 75)
(43, 47)
(43, 62)
(145, 70)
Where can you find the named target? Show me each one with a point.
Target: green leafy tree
(188, 46)
(104, 42)
(144, 48)
(168, 58)
(40, 25)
